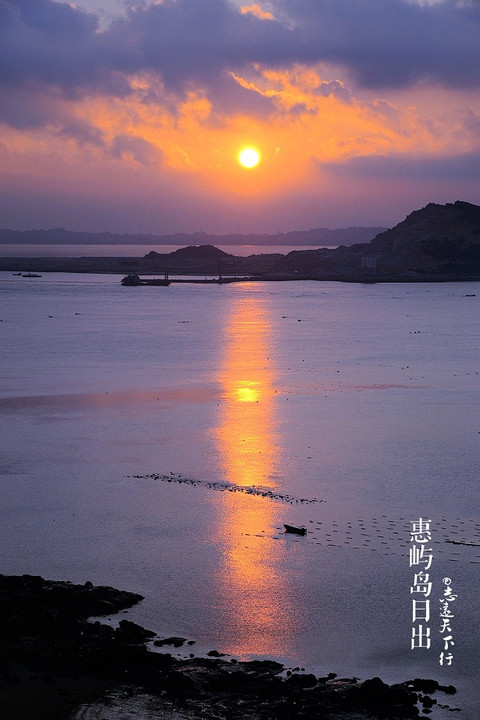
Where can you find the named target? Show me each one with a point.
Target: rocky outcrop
(438, 242)
(439, 239)
(195, 252)
(52, 659)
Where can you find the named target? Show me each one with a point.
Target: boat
(295, 530)
(133, 280)
(30, 275)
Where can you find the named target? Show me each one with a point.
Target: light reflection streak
(253, 591)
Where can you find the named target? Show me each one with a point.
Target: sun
(248, 157)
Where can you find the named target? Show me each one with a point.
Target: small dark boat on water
(31, 275)
(295, 530)
(133, 280)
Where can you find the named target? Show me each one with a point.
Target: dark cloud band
(382, 44)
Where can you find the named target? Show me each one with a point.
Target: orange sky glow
(139, 134)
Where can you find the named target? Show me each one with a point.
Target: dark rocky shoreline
(53, 660)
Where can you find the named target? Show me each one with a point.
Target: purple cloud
(383, 44)
(139, 149)
(47, 43)
(457, 168)
(394, 43)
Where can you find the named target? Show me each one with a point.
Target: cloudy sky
(129, 116)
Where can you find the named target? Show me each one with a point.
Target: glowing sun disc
(248, 157)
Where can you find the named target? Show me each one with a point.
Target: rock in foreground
(52, 660)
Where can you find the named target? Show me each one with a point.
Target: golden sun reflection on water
(252, 589)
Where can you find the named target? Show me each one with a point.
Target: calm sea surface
(157, 439)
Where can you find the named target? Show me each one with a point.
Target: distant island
(436, 243)
(315, 237)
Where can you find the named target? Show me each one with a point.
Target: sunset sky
(130, 116)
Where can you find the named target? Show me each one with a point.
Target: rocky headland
(436, 243)
(55, 660)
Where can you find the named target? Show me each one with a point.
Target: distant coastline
(316, 237)
(437, 243)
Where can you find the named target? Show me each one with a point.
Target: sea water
(157, 440)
